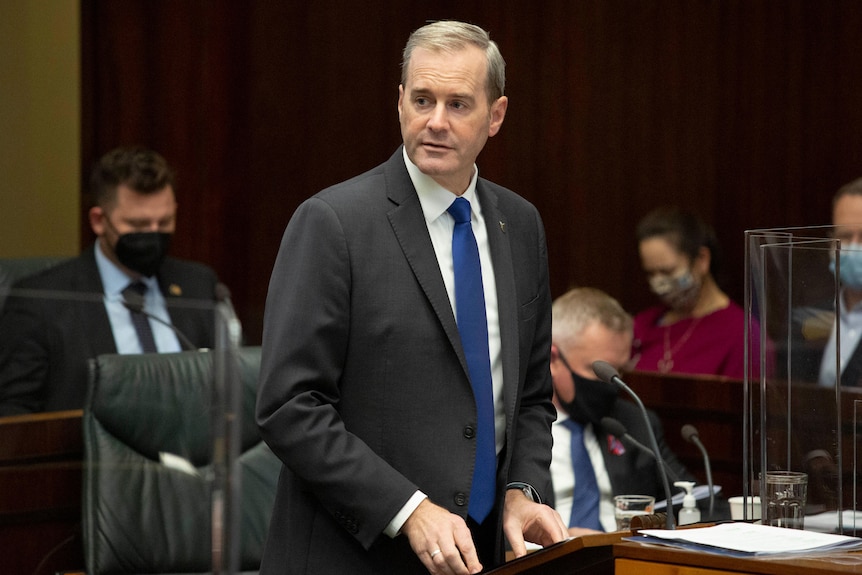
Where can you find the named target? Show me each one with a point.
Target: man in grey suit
(364, 390)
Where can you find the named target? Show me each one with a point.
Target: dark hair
(684, 230)
(142, 170)
(853, 188)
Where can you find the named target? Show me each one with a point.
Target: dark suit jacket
(364, 393)
(55, 321)
(635, 472)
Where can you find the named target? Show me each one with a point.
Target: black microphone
(689, 433)
(222, 294)
(608, 374)
(616, 428)
(226, 311)
(134, 302)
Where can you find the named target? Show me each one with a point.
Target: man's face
(847, 214)
(133, 212)
(444, 114)
(595, 343)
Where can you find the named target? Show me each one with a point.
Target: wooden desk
(642, 559)
(40, 493)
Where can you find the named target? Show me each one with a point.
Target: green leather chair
(141, 513)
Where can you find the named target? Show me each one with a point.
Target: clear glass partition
(163, 446)
(797, 414)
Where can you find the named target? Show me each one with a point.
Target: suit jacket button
(469, 432)
(460, 499)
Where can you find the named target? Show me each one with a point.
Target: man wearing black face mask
(53, 322)
(589, 466)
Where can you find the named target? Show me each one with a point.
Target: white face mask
(677, 292)
(851, 266)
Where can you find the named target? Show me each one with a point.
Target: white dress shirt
(850, 324)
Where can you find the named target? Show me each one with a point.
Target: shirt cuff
(394, 527)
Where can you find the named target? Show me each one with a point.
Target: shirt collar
(434, 198)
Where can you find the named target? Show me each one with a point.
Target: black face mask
(594, 400)
(143, 252)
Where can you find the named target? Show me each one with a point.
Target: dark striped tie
(134, 294)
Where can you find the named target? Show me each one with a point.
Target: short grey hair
(451, 36)
(579, 308)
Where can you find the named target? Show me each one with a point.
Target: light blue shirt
(114, 281)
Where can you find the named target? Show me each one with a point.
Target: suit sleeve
(531, 457)
(23, 357)
(307, 328)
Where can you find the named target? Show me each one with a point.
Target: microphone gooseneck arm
(616, 428)
(608, 374)
(689, 433)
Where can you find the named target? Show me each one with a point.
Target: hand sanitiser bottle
(689, 513)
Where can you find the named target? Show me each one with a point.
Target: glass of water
(628, 506)
(786, 492)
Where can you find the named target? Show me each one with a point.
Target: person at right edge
(405, 380)
(847, 219)
(697, 328)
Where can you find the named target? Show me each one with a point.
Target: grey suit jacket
(364, 393)
(55, 321)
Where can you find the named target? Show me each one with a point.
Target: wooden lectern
(585, 555)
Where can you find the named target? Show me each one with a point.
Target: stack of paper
(747, 539)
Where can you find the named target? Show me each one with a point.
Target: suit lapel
(615, 464)
(91, 314)
(411, 231)
(507, 305)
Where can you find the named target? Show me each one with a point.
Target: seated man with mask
(55, 321)
(589, 466)
(847, 218)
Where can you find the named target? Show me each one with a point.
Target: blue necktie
(473, 327)
(585, 499)
(135, 292)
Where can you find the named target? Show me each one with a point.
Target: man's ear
(498, 114)
(97, 222)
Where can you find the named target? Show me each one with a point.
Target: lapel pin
(175, 290)
(503, 226)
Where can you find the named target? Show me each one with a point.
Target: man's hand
(525, 520)
(441, 540)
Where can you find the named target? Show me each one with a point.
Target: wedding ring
(435, 552)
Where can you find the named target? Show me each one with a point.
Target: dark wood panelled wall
(747, 111)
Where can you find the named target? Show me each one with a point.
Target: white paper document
(747, 539)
